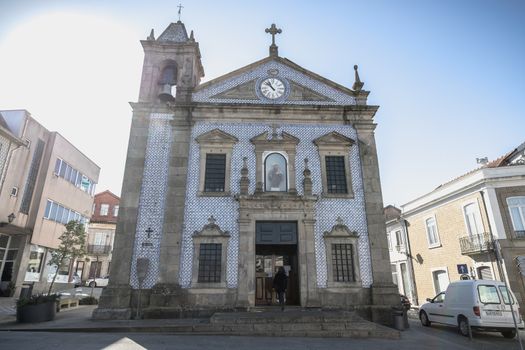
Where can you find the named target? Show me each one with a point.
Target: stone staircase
(295, 323)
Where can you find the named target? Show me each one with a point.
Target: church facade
(226, 181)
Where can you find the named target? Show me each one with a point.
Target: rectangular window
(517, 215)
(335, 174)
(393, 268)
(488, 294)
(399, 239)
(57, 166)
(73, 177)
(343, 263)
(115, 210)
(505, 293)
(210, 262)
(54, 208)
(432, 234)
(215, 172)
(48, 209)
(104, 208)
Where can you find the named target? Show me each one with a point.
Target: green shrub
(88, 301)
(36, 299)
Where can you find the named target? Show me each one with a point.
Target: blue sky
(449, 75)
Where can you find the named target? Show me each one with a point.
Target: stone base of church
(166, 301)
(385, 297)
(114, 303)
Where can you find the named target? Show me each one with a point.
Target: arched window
(275, 173)
(168, 82)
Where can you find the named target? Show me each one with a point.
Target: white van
(483, 304)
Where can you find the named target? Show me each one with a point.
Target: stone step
(289, 316)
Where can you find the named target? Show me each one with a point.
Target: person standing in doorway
(280, 282)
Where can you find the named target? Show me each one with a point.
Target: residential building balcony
(475, 244)
(401, 248)
(98, 249)
(519, 233)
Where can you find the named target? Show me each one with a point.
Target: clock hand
(270, 85)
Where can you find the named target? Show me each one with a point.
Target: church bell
(165, 93)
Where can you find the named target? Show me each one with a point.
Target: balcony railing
(475, 244)
(98, 249)
(401, 248)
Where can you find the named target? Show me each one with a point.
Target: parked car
(77, 282)
(482, 304)
(97, 282)
(405, 302)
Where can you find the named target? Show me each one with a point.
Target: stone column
(246, 282)
(170, 249)
(115, 299)
(308, 244)
(384, 292)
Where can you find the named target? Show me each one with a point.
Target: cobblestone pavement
(417, 337)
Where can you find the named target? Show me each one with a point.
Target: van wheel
(463, 326)
(92, 284)
(424, 319)
(510, 334)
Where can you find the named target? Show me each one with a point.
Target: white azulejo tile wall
(152, 199)
(225, 209)
(283, 72)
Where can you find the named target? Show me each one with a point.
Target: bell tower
(172, 66)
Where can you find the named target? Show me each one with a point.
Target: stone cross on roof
(212, 220)
(180, 10)
(273, 30)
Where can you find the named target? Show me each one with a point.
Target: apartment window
(517, 214)
(343, 263)
(334, 154)
(432, 232)
(115, 210)
(389, 239)
(393, 268)
(93, 208)
(215, 173)
(472, 219)
(399, 238)
(210, 262)
(14, 191)
(75, 177)
(104, 209)
(59, 213)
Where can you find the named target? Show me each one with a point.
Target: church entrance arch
(276, 246)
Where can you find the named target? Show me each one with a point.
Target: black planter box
(36, 313)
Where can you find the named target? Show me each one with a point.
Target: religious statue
(275, 177)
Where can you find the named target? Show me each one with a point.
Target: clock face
(272, 88)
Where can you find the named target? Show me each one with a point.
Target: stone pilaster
(383, 290)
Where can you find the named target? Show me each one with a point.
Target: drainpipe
(409, 261)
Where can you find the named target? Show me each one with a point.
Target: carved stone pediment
(244, 91)
(302, 93)
(334, 139)
(211, 230)
(340, 230)
(216, 136)
(284, 139)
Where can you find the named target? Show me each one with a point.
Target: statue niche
(275, 170)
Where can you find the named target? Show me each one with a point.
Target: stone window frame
(335, 144)
(286, 145)
(210, 233)
(436, 244)
(341, 234)
(215, 141)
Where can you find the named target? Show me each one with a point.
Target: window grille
(343, 263)
(335, 174)
(210, 262)
(215, 173)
